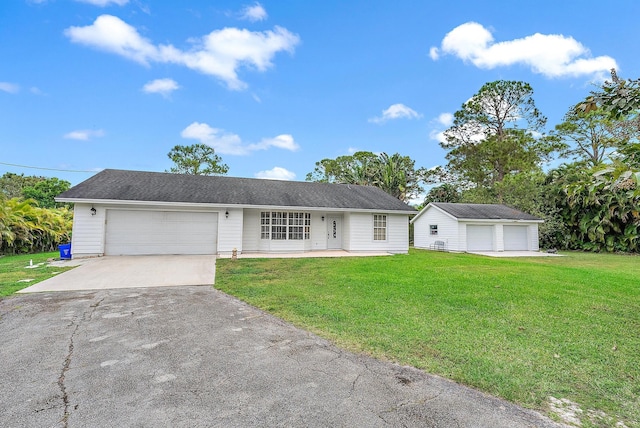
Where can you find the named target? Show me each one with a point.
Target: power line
(46, 169)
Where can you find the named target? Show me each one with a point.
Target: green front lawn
(13, 269)
(523, 329)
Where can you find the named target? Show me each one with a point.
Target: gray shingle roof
(483, 211)
(112, 184)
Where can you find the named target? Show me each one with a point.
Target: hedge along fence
(27, 228)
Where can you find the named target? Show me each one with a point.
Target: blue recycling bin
(65, 251)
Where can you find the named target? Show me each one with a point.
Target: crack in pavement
(67, 361)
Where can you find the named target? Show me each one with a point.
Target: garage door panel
(131, 232)
(516, 238)
(479, 238)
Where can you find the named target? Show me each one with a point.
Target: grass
(13, 270)
(523, 329)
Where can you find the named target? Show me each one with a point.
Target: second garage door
(479, 238)
(515, 238)
(130, 232)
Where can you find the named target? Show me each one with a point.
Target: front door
(334, 234)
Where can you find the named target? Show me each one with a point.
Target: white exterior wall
(251, 231)
(230, 230)
(534, 241)
(498, 237)
(448, 230)
(241, 230)
(87, 238)
(360, 233)
(346, 231)
(462, 237)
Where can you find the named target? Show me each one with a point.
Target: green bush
(27, 228)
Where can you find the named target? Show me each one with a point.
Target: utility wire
(46, 169)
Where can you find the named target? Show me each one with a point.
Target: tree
(12, 185)
(594, 134)
(44, 192)
(444, 193)
(486, 141)
(497, 133)
(618, 97)
(353, 169)
(497, 107)
(394, 174)
(196, 159)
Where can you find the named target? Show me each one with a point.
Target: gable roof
(111, 185)
(480, 212)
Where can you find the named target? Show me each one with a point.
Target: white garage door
(479, 238)
(515, 238)
(160, 232)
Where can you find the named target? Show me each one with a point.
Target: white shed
(475, 228)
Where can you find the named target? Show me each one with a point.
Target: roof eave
(222, 205)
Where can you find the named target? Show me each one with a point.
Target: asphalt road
(195, 357)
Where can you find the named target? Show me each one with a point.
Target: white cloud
(396, 111)
(219, 54)
(163, 87)
(228, 143)
(445, 119)
(276, 173)
(103, 3)
(552, 55)
(254, 13)
(11, 88)
(84, 134)
(434, 53)
(438, 136)
(283, 141)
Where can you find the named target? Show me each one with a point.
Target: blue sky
(275, 86)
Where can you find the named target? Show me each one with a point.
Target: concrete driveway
(131, 272)
(195, 357)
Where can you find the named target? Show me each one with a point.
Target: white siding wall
(534, 244)
(360, 231)
(230, 230)
(462, 237)
(498, 237)
(251, 231)
(448, 230)
(346, 230)
(87, 238)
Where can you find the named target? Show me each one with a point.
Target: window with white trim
(433, 229)
(379, 227)
(283, 225)
(265, 225)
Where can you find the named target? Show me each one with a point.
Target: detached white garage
(143, 232)
(475, 228)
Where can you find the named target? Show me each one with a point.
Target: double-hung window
(379, 227)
